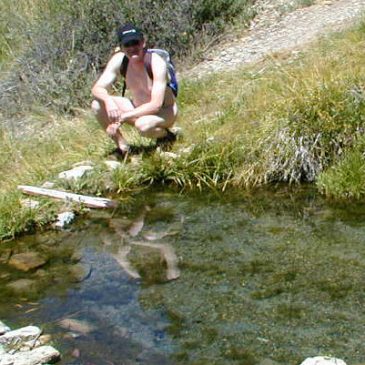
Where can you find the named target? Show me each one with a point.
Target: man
(152, 109)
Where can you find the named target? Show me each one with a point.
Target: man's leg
(155, 126)
(98, 108)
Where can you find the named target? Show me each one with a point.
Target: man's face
(134, 49)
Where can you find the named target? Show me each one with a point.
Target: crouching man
(152, 109)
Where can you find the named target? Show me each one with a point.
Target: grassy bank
(287, 119)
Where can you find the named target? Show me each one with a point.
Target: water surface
(270, 275)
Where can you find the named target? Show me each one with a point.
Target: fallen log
(89, 201)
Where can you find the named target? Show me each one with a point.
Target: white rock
(3, 328)
(75, 173)
(40, 355)
(323, 360)
(113, 164)
(63, 219)
(24, 334)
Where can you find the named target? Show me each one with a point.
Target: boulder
(27, 261)
(323, 360)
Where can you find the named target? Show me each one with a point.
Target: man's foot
(120, 153)
(169, 139)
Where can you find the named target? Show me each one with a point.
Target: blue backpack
(172, 82)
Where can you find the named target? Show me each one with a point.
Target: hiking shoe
(169, 139)
(120, 154)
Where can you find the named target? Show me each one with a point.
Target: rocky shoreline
(25, 346)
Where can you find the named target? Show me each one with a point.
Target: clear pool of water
(270, 275)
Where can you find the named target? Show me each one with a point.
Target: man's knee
(144, 125)
(96, 106)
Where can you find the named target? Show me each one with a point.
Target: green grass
(284, 120)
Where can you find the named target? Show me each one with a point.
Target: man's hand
(112, 111)
(112, 129)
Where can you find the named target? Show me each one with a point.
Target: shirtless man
(152, 109)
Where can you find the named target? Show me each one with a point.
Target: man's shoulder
(117, 56)
(116, 60)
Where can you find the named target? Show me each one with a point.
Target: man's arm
(159, 71)
(102, 86)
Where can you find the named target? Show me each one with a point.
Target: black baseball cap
(128, 33)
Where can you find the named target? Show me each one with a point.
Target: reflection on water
(276, 275)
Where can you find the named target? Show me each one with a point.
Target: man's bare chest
(137, 80)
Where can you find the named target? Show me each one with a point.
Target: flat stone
(322, 360)
(22, 286)
(21, 335)
(27, 261)
(40, 355)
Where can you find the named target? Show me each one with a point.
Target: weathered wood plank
(89, 201)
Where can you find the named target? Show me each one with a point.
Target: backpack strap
(123, 72)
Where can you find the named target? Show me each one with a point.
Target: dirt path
(274, 32)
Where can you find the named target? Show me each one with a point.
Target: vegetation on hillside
(288, 119)
(55, 49)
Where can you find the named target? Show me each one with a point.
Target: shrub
(346, 179)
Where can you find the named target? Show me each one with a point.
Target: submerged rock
(77, 325)
(27, 261)
(22, 286)
(323, 360)
(5, 256)
(80, 272)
